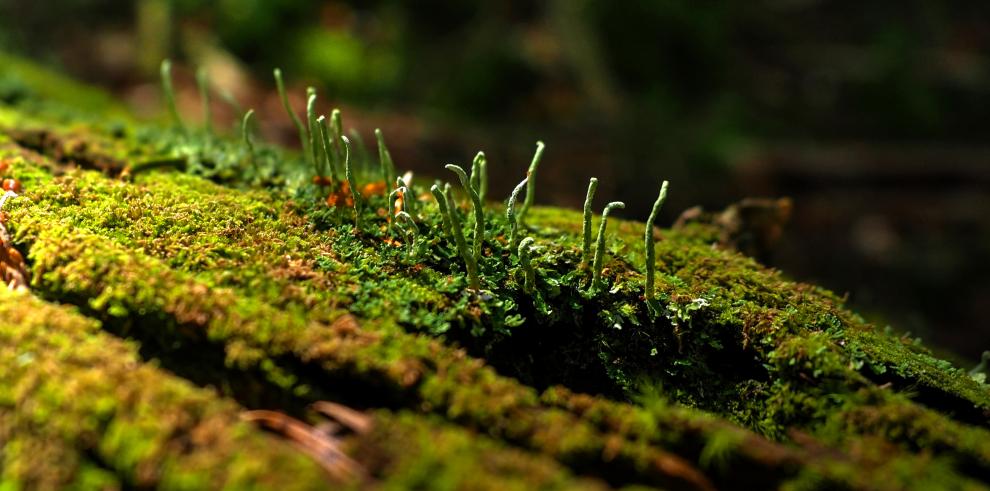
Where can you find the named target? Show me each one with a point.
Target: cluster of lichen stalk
(327, 149)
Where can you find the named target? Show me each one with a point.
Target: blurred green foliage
(687, 82)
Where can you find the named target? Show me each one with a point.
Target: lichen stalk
(510, 212)
(444, 213)
(336, 131)
(384, 158)
(203, 82)
(327, 149)
(648, 241)
(483, 168)
(246, 136)
(531, 185)
(313, 130)
(444, 201)
(586, 251)
(596, 269)
(479, 211)
(169, 93)
(280, 85)
(479, 177)
(351, 182)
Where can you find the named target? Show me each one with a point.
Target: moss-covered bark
(234, 273)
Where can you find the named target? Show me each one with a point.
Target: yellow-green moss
(67, 387)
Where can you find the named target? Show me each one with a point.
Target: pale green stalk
(203, 82)
(586, 252)
(510, 213)
(246, 135)
(531, 186)
(479, 211)
(313, 129)
(384, 158)
(169, 93)
(327, 149)
(596, 270)
(445, 201)
(351, 182)
(648, 240)
(280, 85)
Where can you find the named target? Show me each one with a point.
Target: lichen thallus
(327, 150)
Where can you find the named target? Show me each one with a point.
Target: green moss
(252, 274)
(72, 393)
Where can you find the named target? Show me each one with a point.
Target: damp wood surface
(193, 302)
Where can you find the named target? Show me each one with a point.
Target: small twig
(324, 449)
(356, 421)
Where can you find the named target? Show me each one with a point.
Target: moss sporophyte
(730, 376)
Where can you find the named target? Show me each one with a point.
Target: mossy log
(180, 279)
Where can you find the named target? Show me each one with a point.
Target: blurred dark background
(871, 116)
